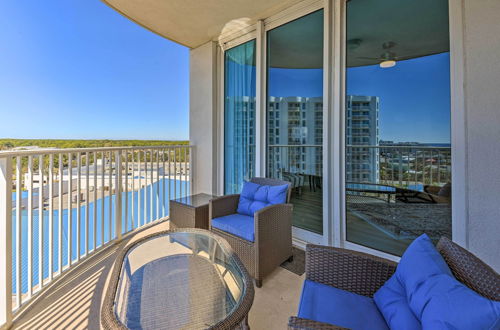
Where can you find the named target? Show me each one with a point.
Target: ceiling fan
(388, 58)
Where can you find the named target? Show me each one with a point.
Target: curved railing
(58, 206)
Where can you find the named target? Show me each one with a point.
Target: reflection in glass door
(398, 151)
(295, 115)
(239, 116)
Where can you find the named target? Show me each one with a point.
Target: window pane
(398, 151)
(239, 116)
(295, 114)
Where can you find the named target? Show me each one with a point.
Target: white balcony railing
(403, 166)
(58, 206)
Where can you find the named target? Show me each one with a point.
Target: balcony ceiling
(193, 22)
(416, 28)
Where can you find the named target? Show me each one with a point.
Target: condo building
(362, 139)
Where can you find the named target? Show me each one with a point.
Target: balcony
(66, 215)
(126, 192)
(89, 199)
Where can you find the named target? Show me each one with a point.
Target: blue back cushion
(254, 197)
(449, 304)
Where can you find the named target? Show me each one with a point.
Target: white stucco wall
(482, 110)
(202, 116)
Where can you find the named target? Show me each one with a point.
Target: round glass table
(178, 279)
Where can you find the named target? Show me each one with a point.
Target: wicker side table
(190, 211)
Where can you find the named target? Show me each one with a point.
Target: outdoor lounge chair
(352, 278)
(263, 241)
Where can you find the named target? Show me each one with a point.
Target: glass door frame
(458, 129)
(226, 44)
(300, 236)
(259, 32)
(334, 56)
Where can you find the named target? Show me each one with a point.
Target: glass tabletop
(195, 200)
(177, 280)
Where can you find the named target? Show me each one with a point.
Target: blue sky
(78, 69)
(414, 95)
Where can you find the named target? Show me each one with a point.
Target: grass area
(6, 144)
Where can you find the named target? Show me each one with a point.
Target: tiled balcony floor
(74, 302)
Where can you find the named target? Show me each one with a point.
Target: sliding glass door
(294, 115)
(239, 116)
(398, 151)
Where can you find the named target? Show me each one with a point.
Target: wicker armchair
(364, 274)
(272, 228)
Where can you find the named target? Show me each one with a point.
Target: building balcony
(66, 215)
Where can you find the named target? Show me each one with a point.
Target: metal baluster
(78, 203)
(164, 210)
(70, 208)
(87, 202)
(51, 216)
(190, 171)
(400, 167)
(18, 231)
(40, 222)
(60, 217)
(169, 175)
(110, 200)
(94, 220)
(103, 195)
(175, 172)
(157, 184)
(133, 190)
(139, 204)
(415, 162)
(185, 171)
(439, 166)
(126, 193)
(151, 192)
(30, 227)
(145, 206)
(431, 165)
(118, 196)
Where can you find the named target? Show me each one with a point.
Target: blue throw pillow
(434, 296)
(420, 262)
(393, 305)
(449, 304)
(254, 197)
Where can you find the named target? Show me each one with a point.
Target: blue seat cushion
(236, 224)
(393, 305)
(327, 304)
(254, 197)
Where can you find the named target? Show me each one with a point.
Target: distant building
(362, 129)
(295, 135)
